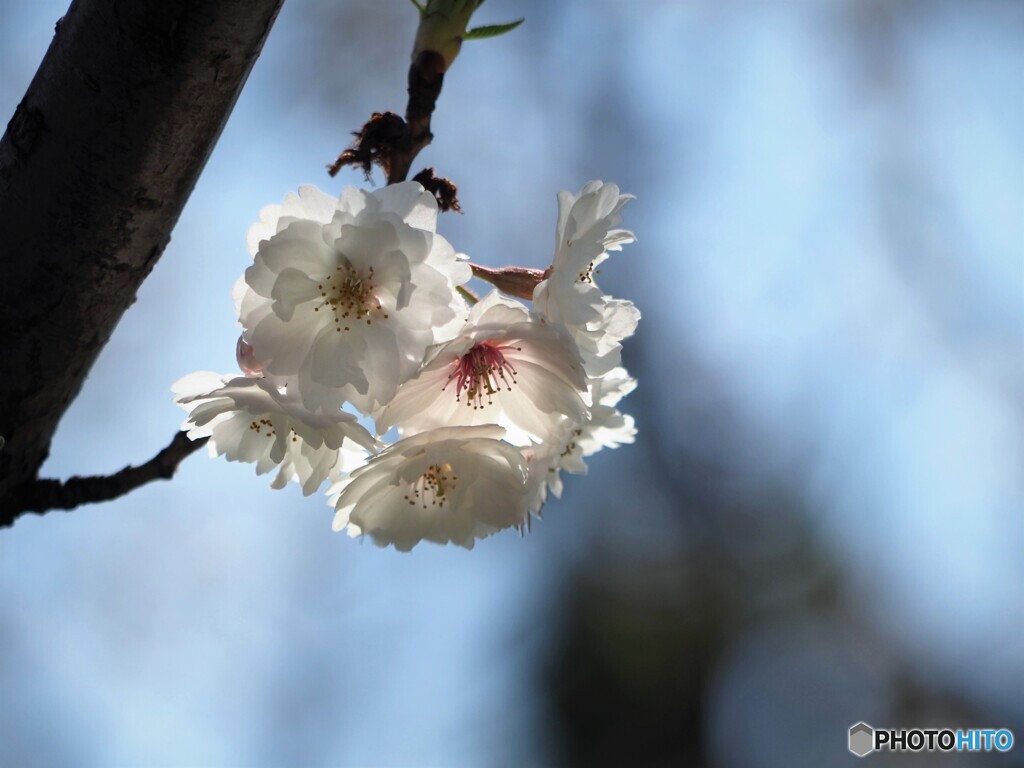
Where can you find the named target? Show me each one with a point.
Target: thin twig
(40, 496)
(467, 294)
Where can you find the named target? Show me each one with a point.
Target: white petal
(292, 288)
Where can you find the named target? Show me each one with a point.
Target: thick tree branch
(95, 168)
(40, 496)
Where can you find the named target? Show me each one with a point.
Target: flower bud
(513, 281)
(246, 358)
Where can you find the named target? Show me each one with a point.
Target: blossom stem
(467, 294)
(41, 495)
(514, 281)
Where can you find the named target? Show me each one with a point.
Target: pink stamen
(482, 371)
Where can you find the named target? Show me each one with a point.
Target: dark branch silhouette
(426, 76)
(95, 168)
(43, 495)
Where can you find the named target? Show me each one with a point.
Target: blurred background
(820, 523)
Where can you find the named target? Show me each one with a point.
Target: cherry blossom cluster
(356, 329)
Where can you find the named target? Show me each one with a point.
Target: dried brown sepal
(391, 142)
(378, 142)
(514, 281)
(443, 190)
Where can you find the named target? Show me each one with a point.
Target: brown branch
(40, 496)
(426, 76)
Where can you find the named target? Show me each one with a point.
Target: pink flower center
(482, 372)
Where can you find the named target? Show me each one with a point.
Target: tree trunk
(95, 168)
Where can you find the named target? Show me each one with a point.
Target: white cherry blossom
(569, 296)
(250, 420)
(451, 485)
(344, 306)
(543, 474)
(504, 367)
(354, 300)
(588, 228)
(606, 428)
(310, 204)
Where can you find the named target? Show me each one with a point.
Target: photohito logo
(864, 739)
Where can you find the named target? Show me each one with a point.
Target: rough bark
(95, 168)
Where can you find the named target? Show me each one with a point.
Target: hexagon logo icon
(862, 739)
